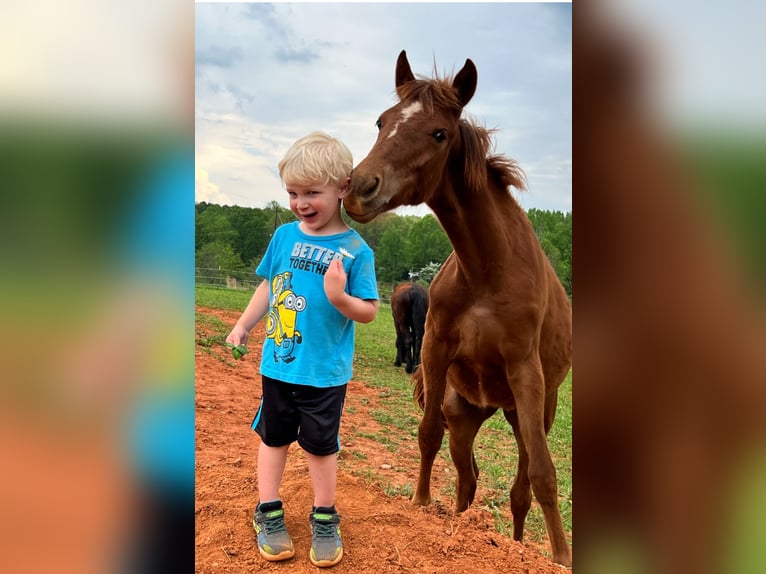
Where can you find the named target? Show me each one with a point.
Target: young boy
(320, 278)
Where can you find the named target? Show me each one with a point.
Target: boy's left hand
(335, 281)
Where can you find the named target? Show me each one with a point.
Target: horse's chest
(479, 334)
(480, 358)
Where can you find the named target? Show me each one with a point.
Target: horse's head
(407, 162)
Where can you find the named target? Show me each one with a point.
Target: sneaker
(326, 545)
(274, 543)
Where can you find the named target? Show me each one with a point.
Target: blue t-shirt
(157, 245)
(308, 341)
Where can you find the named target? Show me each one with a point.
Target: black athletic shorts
(310, 415)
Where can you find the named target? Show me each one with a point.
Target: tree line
(234, 239)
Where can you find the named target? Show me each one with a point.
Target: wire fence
(226, 278)
(248, 281)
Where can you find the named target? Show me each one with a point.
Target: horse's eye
(440, 135)
(379, 124)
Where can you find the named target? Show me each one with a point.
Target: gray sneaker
(274, 542)
(326, 545)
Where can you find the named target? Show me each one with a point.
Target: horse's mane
(481, 167)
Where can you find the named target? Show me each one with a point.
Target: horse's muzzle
(365, 187)
(362, 202)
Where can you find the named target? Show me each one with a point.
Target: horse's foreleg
(464, 421)
(528, 392)
(430, 434)
(431, 428)
(521, 493)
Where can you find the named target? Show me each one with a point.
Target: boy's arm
(359, 310)
(254, 312)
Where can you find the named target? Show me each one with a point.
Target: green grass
(211, 332)
(214, 324)
(495, 446)
(210, 337)
(219, 298)
(395, 490)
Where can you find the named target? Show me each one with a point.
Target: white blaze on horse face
(407, 113)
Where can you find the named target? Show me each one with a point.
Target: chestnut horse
(499, 328)
(409, 305)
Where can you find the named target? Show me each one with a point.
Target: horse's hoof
(565, 560)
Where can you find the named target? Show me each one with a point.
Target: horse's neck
(480, 228)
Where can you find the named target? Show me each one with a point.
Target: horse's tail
(418, 392)
(419, 310)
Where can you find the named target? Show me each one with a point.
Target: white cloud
(205, 190)
(268, 74)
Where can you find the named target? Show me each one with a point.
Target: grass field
(495, 445)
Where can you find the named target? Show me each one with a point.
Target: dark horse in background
(409, 305)
(499, 326)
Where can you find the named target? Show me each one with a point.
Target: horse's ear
(403, 71)
(465, 82)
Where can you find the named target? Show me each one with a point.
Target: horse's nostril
(372, 187)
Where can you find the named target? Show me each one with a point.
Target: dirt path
(381, 534)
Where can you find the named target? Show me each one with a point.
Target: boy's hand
(238, 336)
(237, 340)
(335, 281)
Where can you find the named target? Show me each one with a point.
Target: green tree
(373, 231)
(254, 228)
(391, 262)
(217, 260)
(554, 232)
(426, 242)
(233, 237)
(276, 215)
(211, 225)
(426, 274)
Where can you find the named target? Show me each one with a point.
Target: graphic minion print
(281, 320)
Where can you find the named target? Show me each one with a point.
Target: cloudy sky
(703, 61)
(267, 74)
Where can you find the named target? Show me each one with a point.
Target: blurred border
(96, 342)
(669, 260)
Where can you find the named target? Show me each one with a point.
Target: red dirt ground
(381, 533)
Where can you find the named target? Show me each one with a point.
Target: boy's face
(317, 207)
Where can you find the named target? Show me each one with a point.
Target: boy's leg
(271, 466)
(274, 542)
(326, 544)
(277, 423)
(318, 436)
(323, 471)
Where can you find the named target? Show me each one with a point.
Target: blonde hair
(316, 159)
